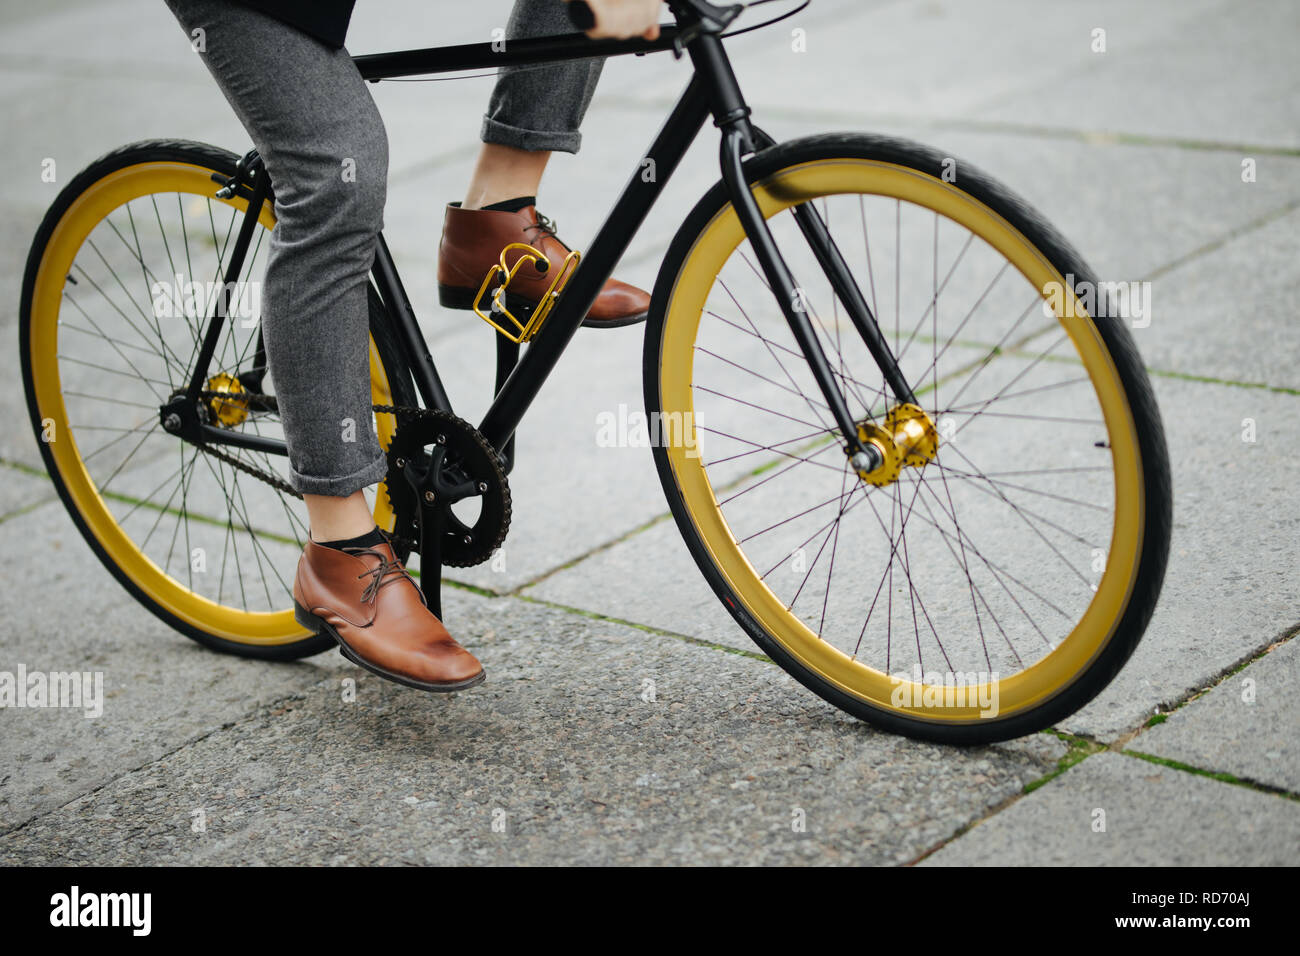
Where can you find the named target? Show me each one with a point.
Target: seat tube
(230, 277)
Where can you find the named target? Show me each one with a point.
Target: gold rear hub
(230, 408)
(906, 438)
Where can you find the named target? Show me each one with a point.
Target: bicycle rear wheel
(118, 287)
(976, 591)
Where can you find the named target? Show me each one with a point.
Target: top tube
(693, 18)
(482, 56)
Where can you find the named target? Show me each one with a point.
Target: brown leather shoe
(472, 240)
(366, 600)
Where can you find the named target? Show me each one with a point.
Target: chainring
(467, 457)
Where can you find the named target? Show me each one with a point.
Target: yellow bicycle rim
(1056, 670)
(89, 209)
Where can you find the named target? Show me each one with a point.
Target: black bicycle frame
(713, 90)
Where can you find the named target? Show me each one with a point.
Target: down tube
(674, 138)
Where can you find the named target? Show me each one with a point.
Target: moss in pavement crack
(659, 631)
(1212, 774)
(1079, 749)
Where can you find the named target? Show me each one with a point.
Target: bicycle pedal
(455, 297)
(452, 297)
(498, 307)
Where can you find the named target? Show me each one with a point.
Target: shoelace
(547, 227)
(379, 572)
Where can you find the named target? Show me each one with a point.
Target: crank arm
(432, 527)
(428, 481)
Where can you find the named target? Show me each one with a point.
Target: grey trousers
(311, 117)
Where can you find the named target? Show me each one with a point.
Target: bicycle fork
(739, 137)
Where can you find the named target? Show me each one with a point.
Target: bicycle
(944, 357)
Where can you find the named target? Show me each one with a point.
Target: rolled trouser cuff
(341, 486)
(555, 141)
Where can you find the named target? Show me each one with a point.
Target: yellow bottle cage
(522, 331)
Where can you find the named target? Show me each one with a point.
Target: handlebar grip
(580, 14)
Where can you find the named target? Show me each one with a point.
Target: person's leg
(533, 111)
(503, 173)
(322, 141)
(309, 114)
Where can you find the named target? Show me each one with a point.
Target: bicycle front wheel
(996, 576)
(120, 281)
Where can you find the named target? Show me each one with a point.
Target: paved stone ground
(1136, 153)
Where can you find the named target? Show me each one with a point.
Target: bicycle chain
(279, 484)
(275, 481)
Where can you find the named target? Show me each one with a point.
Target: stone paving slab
(19, 490)
(561, 746)
(1153, 816)
(1232, 64)
(160, 690)
(1215, 564)
(1224, 314)
(1259, 705)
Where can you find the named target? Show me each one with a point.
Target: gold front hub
(906, 438)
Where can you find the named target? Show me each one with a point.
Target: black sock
(367, 540)
(513, 205)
